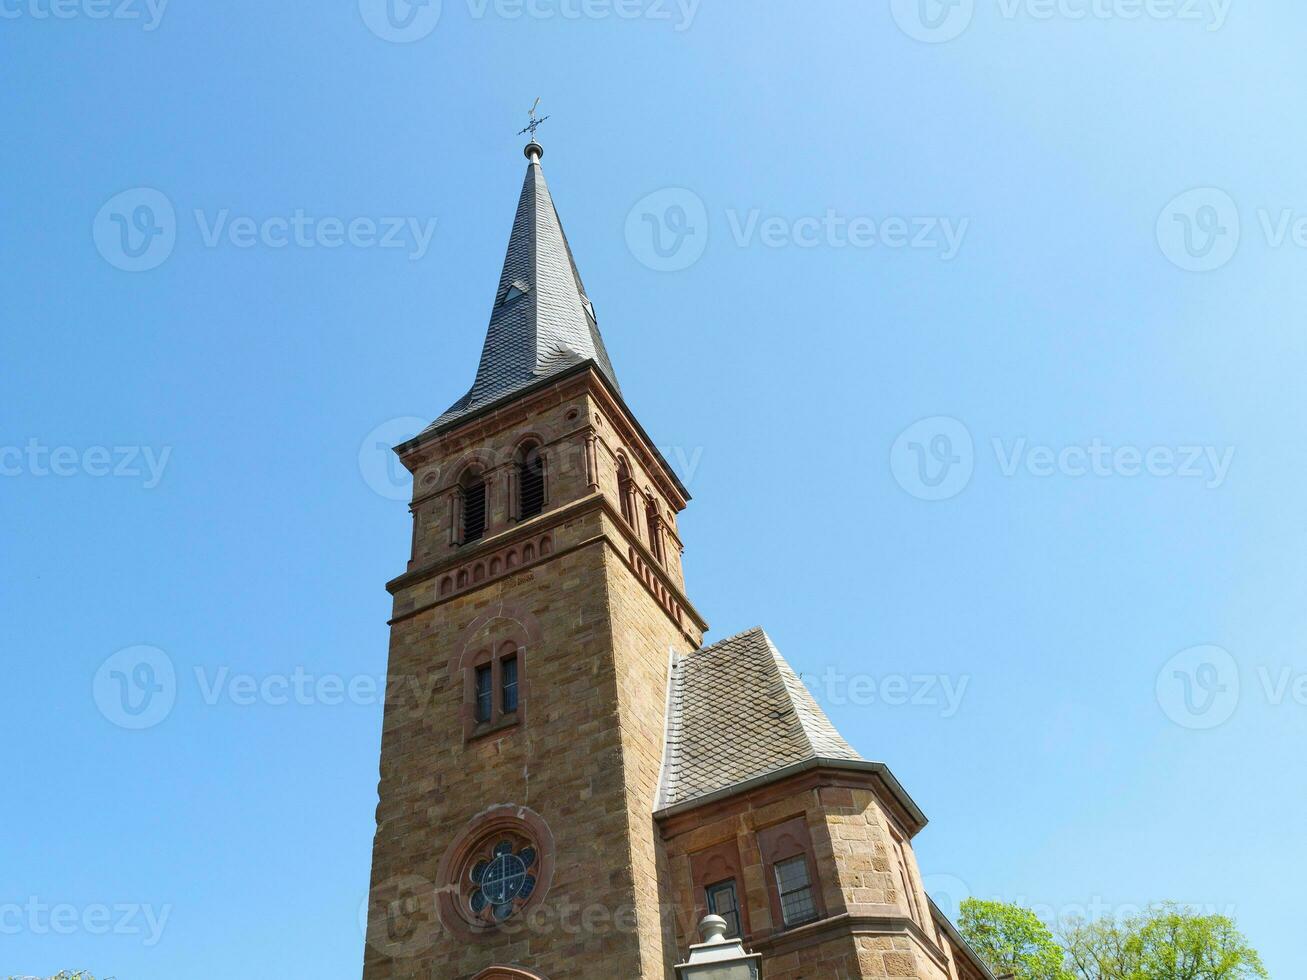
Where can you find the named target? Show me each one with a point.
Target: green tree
(1011, 940)
(1100, 950)
(1167, 941)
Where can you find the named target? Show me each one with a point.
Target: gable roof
(737, 712)
(542, 322)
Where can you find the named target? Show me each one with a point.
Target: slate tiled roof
(737, 711)
(539, 325)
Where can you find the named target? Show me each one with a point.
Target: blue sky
(932, 295)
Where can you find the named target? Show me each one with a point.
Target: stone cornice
(856, 923)
(796, 778)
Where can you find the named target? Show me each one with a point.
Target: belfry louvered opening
(474, 509)
(530, 483)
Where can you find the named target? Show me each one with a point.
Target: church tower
(530, 651)
(570, 780)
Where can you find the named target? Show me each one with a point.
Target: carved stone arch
(479, 462)
(508, 973)
(502, 622)
(539, 439)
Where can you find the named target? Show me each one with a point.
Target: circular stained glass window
(501, 879)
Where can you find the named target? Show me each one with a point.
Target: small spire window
(516, 290)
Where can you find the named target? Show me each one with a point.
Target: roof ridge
(735, 636)
(782, 668)
(668, 775)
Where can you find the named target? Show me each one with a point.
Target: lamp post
(719, 958)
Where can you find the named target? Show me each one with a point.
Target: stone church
(570, 779)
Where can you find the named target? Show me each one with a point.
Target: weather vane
(535, 123)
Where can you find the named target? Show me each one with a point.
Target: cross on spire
(534, 124)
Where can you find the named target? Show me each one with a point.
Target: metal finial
(534, 124)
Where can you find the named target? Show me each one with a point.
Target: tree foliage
(1168, 941)
(1012, 940)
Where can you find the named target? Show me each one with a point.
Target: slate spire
(542, 323)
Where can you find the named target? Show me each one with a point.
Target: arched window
(473, 486)
(494, 689)
(530, 481)
(655, 529)
(626, 491)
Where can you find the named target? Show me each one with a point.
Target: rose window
(502, 880)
